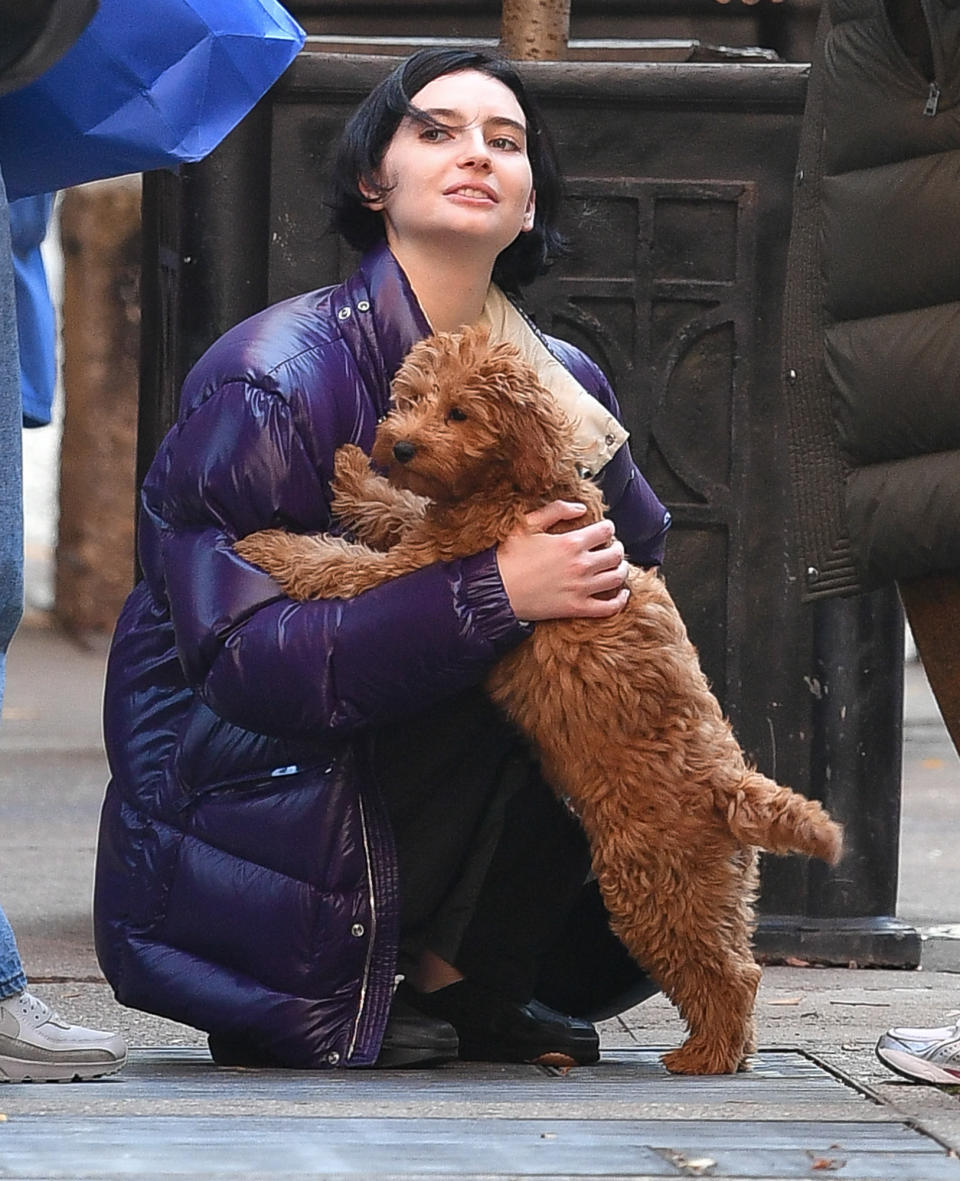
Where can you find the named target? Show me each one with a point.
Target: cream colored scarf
(599, 435)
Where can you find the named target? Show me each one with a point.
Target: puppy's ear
(539, 436)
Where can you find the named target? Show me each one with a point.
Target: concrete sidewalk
(811, 1021)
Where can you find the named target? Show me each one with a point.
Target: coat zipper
(191, 796)
(932, 103)
(372, 933)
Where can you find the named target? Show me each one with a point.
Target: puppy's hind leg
(747, 879)
(692, 943)
(716, 997)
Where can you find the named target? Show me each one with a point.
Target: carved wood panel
(660, 294)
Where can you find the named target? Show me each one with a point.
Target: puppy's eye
(456, 415)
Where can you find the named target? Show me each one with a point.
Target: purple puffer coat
(246, 880)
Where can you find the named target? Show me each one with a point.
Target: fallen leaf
(824, 1163)
(692, 1166)
(556, 1060)
(792, 962)
(862, 1004)
(784, 1000)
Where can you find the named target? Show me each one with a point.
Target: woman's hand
(558, 575)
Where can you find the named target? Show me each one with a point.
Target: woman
(308, 798)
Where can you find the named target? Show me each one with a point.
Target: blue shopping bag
(148, 84)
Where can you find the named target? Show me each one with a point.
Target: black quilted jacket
(890, 225)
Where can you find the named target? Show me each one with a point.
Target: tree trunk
(535, 30)
(100, 230)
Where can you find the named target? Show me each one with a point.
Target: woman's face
(466, 176)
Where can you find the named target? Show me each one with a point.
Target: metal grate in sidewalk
(172, 1114)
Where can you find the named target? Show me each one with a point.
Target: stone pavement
(817, 1103)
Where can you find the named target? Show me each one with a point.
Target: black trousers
(491, 864)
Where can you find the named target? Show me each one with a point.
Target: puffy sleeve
(640, 519)
(237, 463)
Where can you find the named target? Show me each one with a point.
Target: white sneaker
(926, 1055)
(38, 1046)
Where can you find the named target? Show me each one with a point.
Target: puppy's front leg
(318, 566)
(307, 566)
(368, 505)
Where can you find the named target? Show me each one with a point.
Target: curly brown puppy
(618, 709)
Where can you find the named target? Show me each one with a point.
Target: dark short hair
(372, 126)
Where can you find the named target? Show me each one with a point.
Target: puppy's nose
(404, 451)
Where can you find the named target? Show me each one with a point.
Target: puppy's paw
(354, 485)
(297, 561)
(270, 549)
(351, 470)
(702, 1058)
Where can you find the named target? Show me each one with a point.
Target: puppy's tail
(762, 813)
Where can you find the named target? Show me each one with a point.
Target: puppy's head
(470, 416)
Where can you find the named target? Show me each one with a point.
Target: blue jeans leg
(11, 455)
(12, 979)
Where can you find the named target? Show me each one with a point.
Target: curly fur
(618, 709)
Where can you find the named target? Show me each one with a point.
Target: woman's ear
(529, 213)
(372, 197)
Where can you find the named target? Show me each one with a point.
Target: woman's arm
(640, 518)
(238, 464)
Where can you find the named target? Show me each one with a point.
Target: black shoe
(226, 1050)
(410, 1039)
(414, 1038)
(494, 1029)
